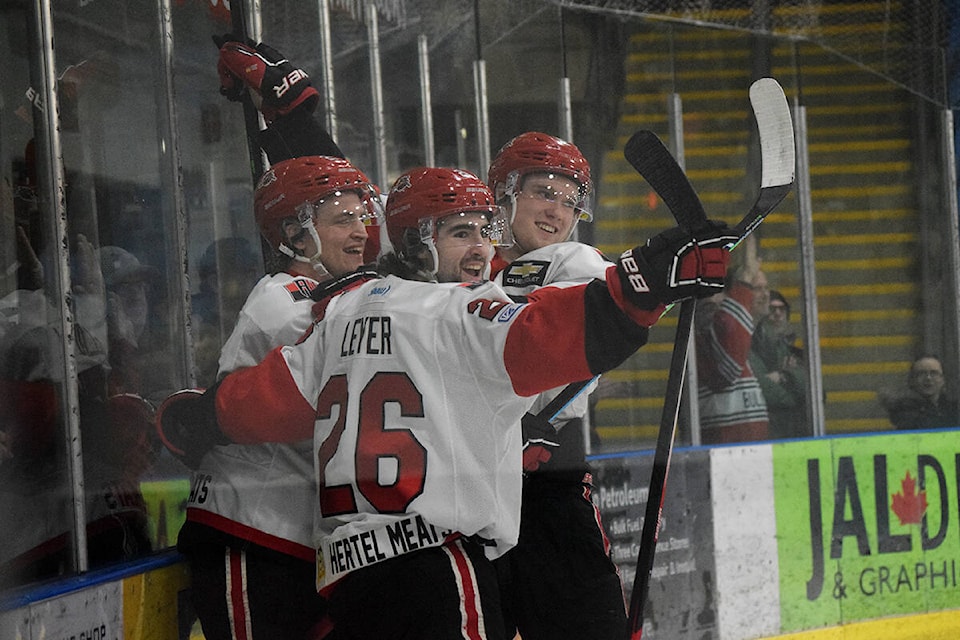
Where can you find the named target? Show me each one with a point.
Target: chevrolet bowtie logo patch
(527, 273)
(524, 269)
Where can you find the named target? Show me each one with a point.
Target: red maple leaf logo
(909, 505)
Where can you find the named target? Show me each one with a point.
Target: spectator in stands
(924, 404)
(732, 407)
(778, 365)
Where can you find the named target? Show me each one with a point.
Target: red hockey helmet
(535, 152)
(287, 185)
(422, 196)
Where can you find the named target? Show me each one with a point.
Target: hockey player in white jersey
(248, 533)
(249, 527)
(559, 582)
(414, 392)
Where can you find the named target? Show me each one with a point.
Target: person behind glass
(228, 269)
(116, 423)
(559, 581)
(925, 404)
(416, 420)
(777, 363)
(249, 525)
(732, 406)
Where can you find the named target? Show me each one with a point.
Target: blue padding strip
(24, 596)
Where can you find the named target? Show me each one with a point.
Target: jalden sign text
(867, 527)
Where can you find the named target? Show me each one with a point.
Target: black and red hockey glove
(672, 266)
(539, 441)
(281, 87)
(187, 424)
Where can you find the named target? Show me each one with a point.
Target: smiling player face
(546, 211)
(463, 247)
(338, 220)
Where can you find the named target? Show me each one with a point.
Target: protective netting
(908, 42)
(905, 41)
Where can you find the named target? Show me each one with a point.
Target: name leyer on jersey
(339, 555)
(368, 335)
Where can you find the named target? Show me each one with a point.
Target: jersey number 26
(375, 442)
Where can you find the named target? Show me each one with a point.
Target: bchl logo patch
(528, 273)
(300, 289)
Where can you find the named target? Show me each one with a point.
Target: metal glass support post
(691, 402)
(953, 241)
(170, 152)
(326, 66)
(480, 97)
(565, 108)
(811, 323)
(54, 193)
(254, 13)
(426, 102)
(483, 125)
(376, 89)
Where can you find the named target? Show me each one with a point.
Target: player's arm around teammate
(393, 382)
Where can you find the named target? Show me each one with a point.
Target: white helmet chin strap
(428, 231)
(489, 265)
(305, 216)
(510, 190)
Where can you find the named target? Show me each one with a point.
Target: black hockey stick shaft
(648, 155)
(661, 465)
(251, 121)
(563, 398)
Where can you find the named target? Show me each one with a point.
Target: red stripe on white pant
(238, 606)
(471, 611)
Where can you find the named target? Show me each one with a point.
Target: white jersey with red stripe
(263, 493)
(415, 391)
(561, 265)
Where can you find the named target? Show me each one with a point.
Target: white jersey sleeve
(264, 493)
(276, 312)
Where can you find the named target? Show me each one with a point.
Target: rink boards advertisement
(680, 600)
(867, 527)
(759, 540)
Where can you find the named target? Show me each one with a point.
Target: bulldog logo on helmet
(402, 183)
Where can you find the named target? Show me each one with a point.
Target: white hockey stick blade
(777, 152)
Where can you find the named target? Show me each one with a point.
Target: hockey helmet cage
(286, 186)
(535, 152)
(421, 197)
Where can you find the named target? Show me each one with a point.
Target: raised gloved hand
(187, 424)
(672, 266)
(539, 441)
(276, 85)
